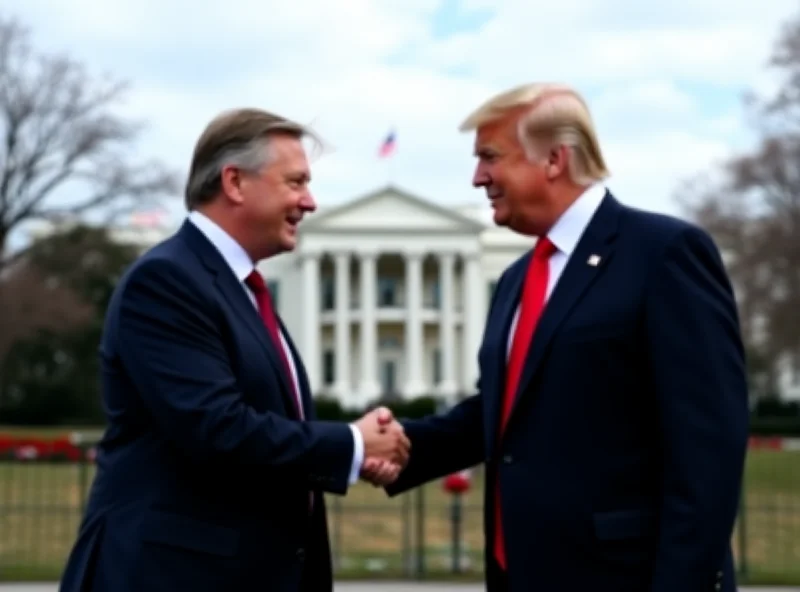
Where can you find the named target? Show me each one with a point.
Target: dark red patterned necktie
(256, 283)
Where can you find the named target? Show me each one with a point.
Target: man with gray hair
(612, 405)
(211, 472)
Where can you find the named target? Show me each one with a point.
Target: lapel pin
(594, 260)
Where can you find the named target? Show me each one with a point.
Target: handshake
(386, 447)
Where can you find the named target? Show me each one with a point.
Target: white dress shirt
(565, 235)
(241, 265)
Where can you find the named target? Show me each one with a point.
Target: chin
(501, 218)
(288, 243)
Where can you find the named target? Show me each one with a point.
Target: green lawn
(91, 433)
(373, 535)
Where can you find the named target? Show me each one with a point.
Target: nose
(308, 203)
(481, 177)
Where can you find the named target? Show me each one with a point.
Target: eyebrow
(299, 175)
(486, 151)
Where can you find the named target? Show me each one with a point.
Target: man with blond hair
(612, 410)
(211, 472)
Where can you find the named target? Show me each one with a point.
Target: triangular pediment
(391, 209)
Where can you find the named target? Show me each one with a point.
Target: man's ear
(231, 184)
(557, 161)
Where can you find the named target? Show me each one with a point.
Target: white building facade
(386, 296)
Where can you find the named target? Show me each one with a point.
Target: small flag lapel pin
(594, 260)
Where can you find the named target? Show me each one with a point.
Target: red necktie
(256, 283)
(532, 302)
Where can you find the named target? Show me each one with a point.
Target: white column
(474, 315)
(368, 387)
(415, 385)
(312, 356)
(448, 386)
(342, 331)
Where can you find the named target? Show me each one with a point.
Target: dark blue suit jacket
(203, 475)
(621, 464)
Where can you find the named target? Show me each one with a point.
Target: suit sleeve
(698, 370)
(446, 443)
(442, 444)
(172, 350)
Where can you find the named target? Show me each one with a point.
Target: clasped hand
(386, 447)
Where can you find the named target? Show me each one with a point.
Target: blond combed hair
(551, 114)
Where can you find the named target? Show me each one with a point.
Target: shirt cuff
(358, 454)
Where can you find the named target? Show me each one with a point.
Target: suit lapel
(302, 376)
(576, 279)
(235, 294)
(496, 372)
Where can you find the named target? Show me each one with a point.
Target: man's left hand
(379, 472)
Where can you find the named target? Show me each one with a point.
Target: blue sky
(664, 84)
(452, 17)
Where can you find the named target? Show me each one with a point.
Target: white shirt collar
(569, 228)
(233, 253)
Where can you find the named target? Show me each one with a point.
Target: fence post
(420, 532)
(742, 532)
(337, 533)
(83, 471)
(83, 483)
(455, 517)
(405, 519)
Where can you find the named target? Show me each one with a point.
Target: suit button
(717, 586)
(301, 554)
(507, 459)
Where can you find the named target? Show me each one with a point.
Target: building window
(274, 289)
(436, 294)
(436, 364)
(387, 292)
(389, 380)
(389, 342)
(328, 367)
(328, 293)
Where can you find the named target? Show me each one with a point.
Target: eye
(487, 156)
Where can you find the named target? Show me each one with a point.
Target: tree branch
(64, 150)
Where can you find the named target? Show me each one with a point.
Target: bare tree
(31, 301)
(753, 211)
(63, 152)
(780, 114)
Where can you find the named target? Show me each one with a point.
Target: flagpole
(386, 152)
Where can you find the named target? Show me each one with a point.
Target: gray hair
(240, 138)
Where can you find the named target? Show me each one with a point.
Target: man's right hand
(384, 437)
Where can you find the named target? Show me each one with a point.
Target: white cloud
(663, 80)
(642, 102)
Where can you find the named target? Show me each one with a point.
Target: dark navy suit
(621, 463)
(204, 473)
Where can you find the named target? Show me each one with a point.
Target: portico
(386, 297)
(391, 323)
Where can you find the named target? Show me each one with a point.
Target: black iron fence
(427, 533)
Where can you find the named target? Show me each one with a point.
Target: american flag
(388, 146)
(147, 218)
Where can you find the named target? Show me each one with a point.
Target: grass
(50, 432)
(374, 536)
